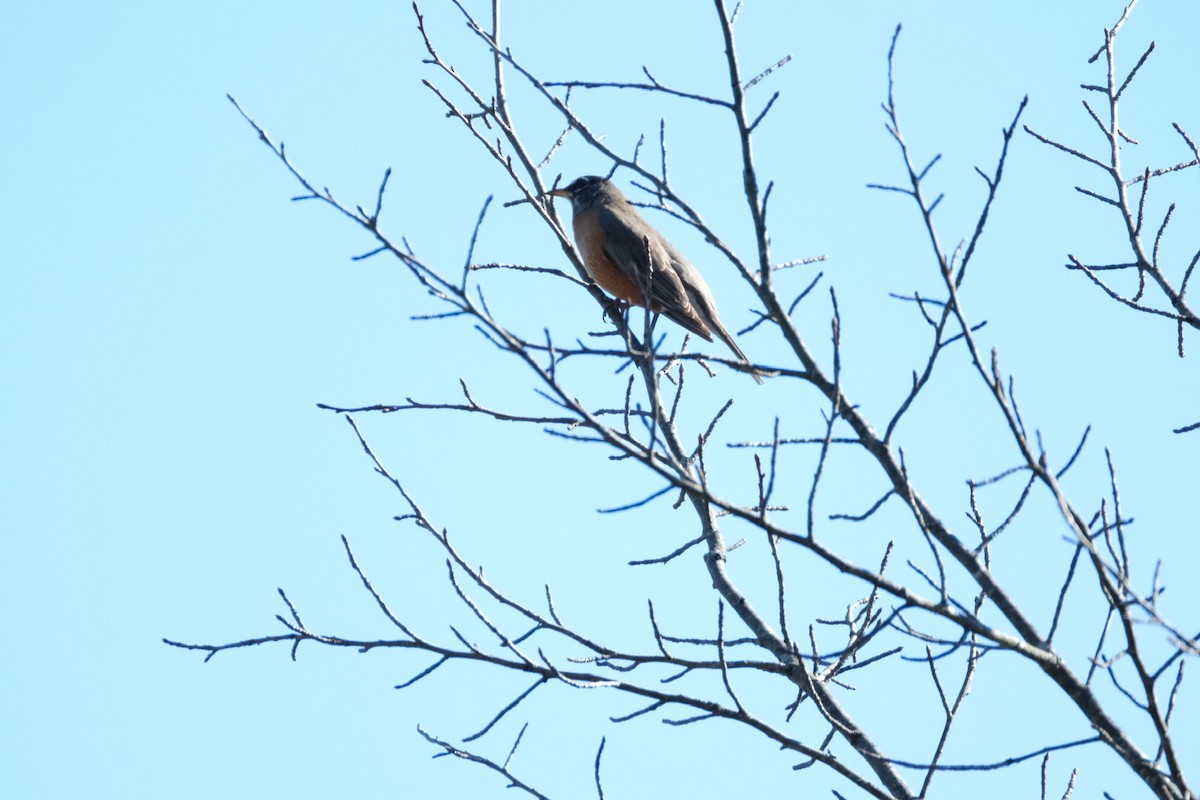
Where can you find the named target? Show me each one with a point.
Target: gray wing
(703, 304)
(631, 243)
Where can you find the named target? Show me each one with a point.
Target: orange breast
(590, 240)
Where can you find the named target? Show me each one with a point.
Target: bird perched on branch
(625, 255)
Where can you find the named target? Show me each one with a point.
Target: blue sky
(171, 320)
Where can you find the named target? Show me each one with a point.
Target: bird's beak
(556, 193)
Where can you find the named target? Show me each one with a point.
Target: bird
(623, 253)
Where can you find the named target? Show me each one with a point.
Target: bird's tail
(737, 351)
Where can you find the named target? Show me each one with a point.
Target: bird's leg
(616, 308)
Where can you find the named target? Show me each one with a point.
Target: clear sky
(170, 321)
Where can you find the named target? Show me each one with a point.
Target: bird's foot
(616, 308)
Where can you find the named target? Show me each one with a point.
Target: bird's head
(585, 191)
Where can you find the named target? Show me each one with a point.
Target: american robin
(623, 253)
